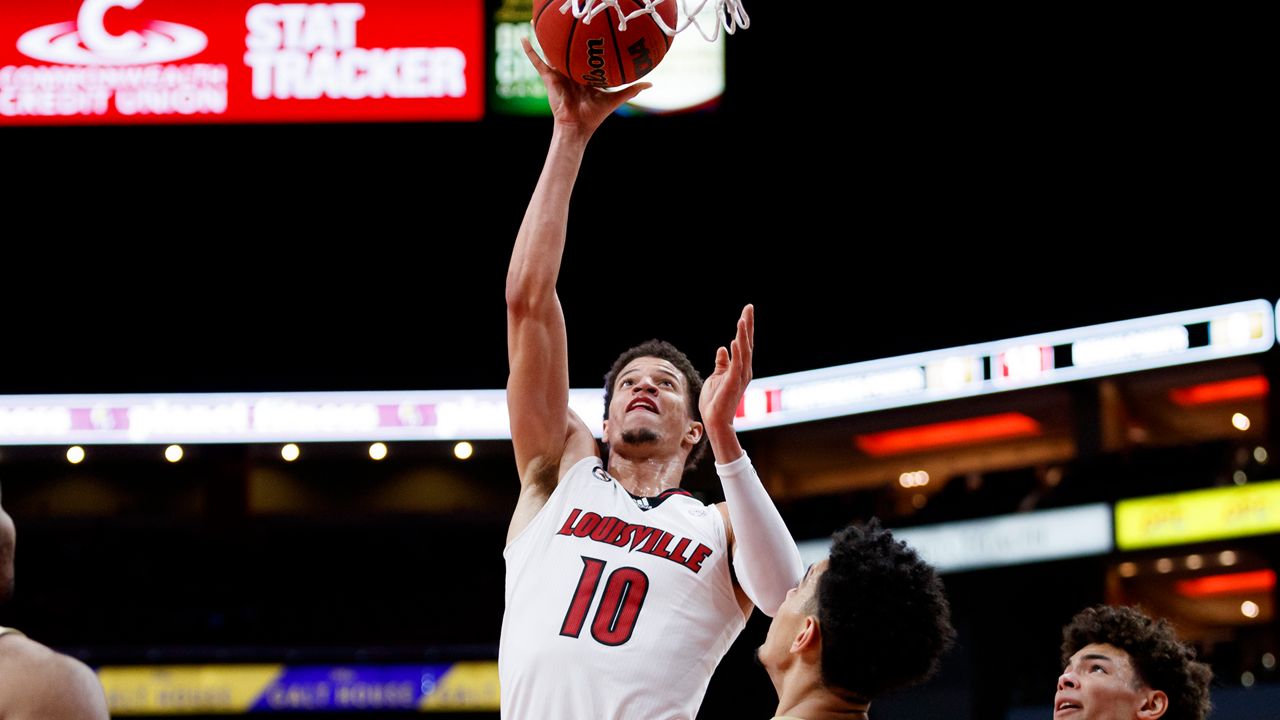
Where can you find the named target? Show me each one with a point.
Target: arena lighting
(266, 418)
(909, 380)
(1227, 557)
(173, 453)
(1049, 358)
(918, 478)
(463, 450)
(1127, 346)
(1164, 565)
(1194, 562)
(1255, 581)
(290, 452)
(1002, 426)
(75, 454)
(1240, 421)
(378, 451)
(1253, 386)
(1128, 569)
(1249, 609)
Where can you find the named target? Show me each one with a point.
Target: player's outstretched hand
(578, 107)
(722, 392)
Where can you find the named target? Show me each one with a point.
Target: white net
(707, 16)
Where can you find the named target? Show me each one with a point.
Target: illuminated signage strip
(1114, 348)
(1215, 514)
(265, 417)
(166, 61)
(1000, 541)
(1049, 358)
(239, 689)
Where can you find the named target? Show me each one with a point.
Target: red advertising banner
(83, 62)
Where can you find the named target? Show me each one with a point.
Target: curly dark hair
(1160, 660)
(884, 617)
(692, 383)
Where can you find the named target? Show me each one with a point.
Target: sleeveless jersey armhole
(555, 495)
(723, 535)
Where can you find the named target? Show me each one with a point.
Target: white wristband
(766, 559)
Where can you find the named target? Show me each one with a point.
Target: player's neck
(646, 476)
(803, 695)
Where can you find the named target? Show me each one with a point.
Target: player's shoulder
(20, 655)
(34, 675)
(17, 649)
(586, 466)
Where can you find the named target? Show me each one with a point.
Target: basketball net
(729, 14)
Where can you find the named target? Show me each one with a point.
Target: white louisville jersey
(614, 612)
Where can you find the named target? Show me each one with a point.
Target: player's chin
(638, 436)
(758, 656)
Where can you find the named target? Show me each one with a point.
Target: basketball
(596, 53)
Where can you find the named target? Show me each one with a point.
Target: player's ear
(809, 638)
(1154, 705)
(694, 433)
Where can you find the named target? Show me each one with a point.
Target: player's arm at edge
(766, 561)
(547, 437)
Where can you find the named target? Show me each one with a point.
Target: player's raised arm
(765, 557)
(538, 386)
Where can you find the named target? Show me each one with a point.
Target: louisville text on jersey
(641, 538)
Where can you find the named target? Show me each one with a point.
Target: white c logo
(95, 36)
(86, 41)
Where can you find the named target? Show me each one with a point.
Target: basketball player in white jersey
(37, 683)
(622, 591)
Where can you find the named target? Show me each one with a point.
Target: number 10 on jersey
(615, 617)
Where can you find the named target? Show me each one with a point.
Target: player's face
(7, 539)
(1100, 683)
(789, 621)
(649, 407)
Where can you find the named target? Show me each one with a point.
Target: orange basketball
(596, 53)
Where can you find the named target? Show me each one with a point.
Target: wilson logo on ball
(596, 77)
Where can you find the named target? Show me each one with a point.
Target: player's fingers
(538, 64)
(628, 94)
(722, 359)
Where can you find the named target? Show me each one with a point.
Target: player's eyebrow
(657, 371)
